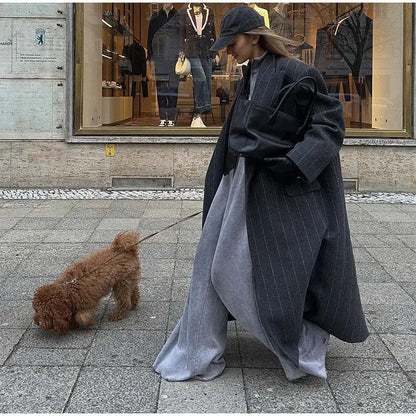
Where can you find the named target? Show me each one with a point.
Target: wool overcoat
(299, 239)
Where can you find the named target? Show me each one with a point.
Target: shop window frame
(210, 134)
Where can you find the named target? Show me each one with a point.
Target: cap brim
(221, 42)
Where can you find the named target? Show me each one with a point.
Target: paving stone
(173, 213)
(393, 255)
(164, 204)
(149, 315)
(384, 293)
(8, 222)
(186, 251)
(409, 240)
(372, 392)
(162, 268)
(224, 394)
(47, 357)
(167, 236)
(75, 338)
(119, 224)
(399, 228)
(158, 251)
(189, 236)
(367, 227)
(232, 350)
(121, 348)
(392, 216)
(120, 212)
(21, 289)
(8, 339)
(254, 353)
(37, 223)
(42, 266)
(80, 212)
(371, 272)
(68, 236)
(401, 272)
(78, 223)
(360, 215)
(35, 389)
(372, 347)
(15, 313)
(194, 223)
(368, 240)
(361, 364)
(14, 212)
(180, 289)
(409, 288)
(49, 211)
(183, 268)
(393, 319)
(100, 203)
(362, 255)
(384, 208)
(269, 391)
(115, 390)
(104, 236)
(155, 224)
(24, 236)
(403, 347)
(175, 313)
(156, 290)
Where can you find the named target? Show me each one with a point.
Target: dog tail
(127, 241)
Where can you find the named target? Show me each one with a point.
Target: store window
(128, 81)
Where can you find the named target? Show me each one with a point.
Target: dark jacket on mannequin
(300, 246)
(189, 40)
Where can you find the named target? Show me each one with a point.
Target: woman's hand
(282, 167)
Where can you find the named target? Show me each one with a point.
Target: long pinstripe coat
(300, 246)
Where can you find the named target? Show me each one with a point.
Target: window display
(147, 67)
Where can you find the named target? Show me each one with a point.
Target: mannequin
(162, 44)
(261, 12)
(280, 22)
(196, 36)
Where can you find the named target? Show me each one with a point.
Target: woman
(275, 249)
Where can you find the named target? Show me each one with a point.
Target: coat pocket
(301, 187)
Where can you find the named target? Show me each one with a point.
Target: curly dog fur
(61, 306)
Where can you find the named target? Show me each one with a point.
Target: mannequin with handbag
(196, 35)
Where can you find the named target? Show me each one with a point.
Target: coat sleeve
(324, 135)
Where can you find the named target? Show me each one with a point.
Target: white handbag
(183, 66)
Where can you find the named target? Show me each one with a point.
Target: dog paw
(114, 317)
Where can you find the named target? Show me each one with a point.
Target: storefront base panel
(50, 164)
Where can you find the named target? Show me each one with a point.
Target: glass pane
(131, 50)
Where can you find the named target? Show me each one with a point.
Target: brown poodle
(73, 298)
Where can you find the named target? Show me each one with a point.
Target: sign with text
(32, 48)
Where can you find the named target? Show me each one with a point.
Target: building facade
(89, 95)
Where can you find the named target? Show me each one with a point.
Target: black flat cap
(238, 20)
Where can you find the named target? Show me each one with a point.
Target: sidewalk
(108, 368)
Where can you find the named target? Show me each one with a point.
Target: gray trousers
(222, 281)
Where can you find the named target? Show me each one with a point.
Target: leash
(74, 281)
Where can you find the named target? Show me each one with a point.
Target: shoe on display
(171, 123)
(162, 123)
(197, 121)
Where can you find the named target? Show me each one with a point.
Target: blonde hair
(275, 43)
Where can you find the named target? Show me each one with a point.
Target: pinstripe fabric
(300, 246)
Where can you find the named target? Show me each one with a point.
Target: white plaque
(6, 47)
(38, 49)
(33, 10)
(35, 109)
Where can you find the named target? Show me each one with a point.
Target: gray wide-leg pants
(222, 281)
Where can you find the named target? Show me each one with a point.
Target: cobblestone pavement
(108, 368)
